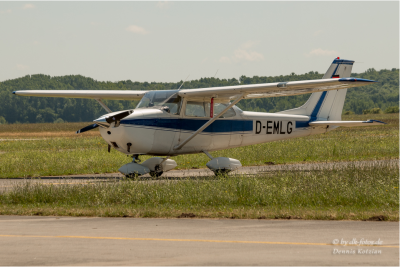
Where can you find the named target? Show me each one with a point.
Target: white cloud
(322, 52)
(22, 67)
(5, 11)
(247, 55)
(163, 4)
(36, 43)
(244, 53)
(28, 6)
(224, 59)
(136, 29)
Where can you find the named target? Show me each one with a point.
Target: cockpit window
(168, 99)
(202, 109)
(196, 109)
(218, 107)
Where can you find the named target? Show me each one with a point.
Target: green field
(365, 192)
(350, 193)
(55, 149)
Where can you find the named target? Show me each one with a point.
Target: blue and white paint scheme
(172, 122)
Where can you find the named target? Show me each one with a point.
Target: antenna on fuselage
(183, 82)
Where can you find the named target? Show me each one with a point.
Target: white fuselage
(156, 132)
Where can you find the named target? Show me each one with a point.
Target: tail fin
(327, 105)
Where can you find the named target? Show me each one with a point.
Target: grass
(45, 130)
(342, 193)
(57, 150)
(42, 127)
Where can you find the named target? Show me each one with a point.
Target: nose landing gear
(135, 158)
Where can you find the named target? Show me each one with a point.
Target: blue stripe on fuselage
(300, 124)
(217, 126)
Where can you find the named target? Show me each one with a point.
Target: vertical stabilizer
(327, 105)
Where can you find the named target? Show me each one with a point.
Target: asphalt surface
(129, 241)
(7, 184)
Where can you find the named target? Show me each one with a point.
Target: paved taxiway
(7, 184)
(130, 241)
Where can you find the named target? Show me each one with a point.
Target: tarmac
(38, 240)
(35, 240)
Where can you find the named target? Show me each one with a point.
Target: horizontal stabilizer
(347, 123)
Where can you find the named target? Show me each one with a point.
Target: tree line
(383, 95)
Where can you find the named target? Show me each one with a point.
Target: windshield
(165, 98)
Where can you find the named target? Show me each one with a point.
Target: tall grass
(370, 188)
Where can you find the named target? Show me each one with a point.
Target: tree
(383, 95)
(2, 120)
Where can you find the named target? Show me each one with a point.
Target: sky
(167, 41)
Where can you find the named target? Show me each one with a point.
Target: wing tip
(350, 79)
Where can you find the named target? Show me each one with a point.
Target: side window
(174, 104)
(218, 107)
(195, 109)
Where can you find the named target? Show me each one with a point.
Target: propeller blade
(88, 128)
(106, 120)
(118, 117)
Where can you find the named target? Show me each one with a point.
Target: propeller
(88, 128)
(105, 121)
(117, 117)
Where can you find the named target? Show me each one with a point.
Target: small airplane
(167, 123)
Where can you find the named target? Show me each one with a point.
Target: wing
(93, 94)
(222, 93)
(275, 89)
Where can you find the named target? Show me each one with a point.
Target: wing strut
(179, 146)
(103, 105)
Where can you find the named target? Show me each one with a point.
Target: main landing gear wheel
(157, 172)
